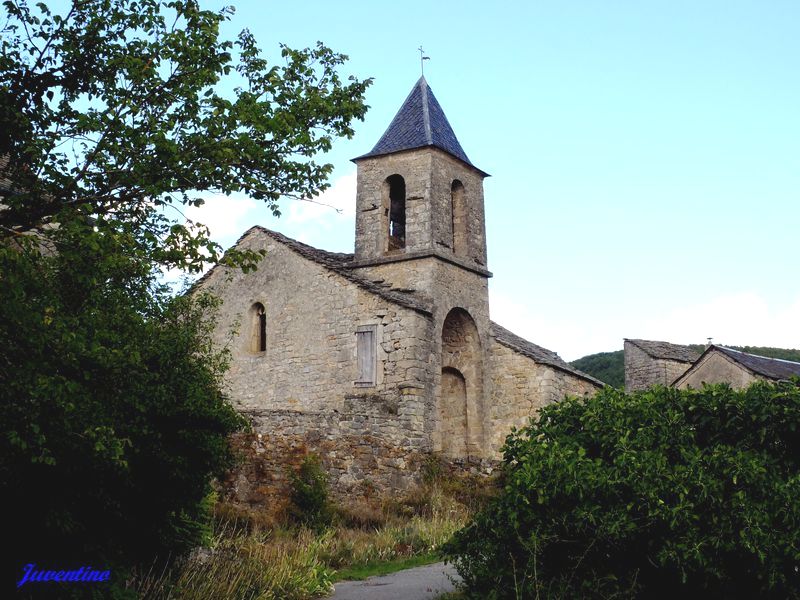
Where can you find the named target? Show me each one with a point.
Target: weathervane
(422, 59)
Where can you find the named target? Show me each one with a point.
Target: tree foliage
(119, 109)
(658, 494)
(113, 419)
(112, 114)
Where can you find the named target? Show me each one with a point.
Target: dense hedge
(658, 494)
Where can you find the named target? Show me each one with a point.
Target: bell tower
(418, 195)
(420, 229)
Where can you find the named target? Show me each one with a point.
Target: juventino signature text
(84, 574)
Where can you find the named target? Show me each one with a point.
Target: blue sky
(645, 156)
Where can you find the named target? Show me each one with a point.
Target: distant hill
(609, 367)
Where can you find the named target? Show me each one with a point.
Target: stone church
(375, 360)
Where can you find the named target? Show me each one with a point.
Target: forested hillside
(609, 367)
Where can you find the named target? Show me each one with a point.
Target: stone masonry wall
(364, 449)
(521, 386)
(447, 287)
(310, 362)
(717, 368)
(301, 390)
(643, 371)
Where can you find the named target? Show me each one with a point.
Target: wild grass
(246, 565)
(252, 558)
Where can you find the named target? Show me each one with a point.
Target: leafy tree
(113, 420)
(658, 494)
(119, 109)
(113, 115)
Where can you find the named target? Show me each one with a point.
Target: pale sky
(645, 156)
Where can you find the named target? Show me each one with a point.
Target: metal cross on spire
(422, 59)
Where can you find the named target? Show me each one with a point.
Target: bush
(310, 503)
(659, 494)
(114, 420)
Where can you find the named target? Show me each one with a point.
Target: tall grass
(247, 565)
(252, 559)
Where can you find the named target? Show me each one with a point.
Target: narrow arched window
(459, 217)
(258, 327)
(397, 212)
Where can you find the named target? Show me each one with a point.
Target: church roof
(420, 123)
(537, 353)
(665, 350)
(338, 263)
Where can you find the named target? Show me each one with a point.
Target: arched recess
(460, 406)
(453, 412)
(394, 193)
(458, 212)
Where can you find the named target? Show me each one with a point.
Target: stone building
(719, 364)
(649, 362)
(377, 359)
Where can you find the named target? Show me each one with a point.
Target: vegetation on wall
(658, 494)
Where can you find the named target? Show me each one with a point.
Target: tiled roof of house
(665, 350)
(537, 353)
(772, 368)
(419, 123)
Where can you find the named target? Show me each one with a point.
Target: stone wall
(446, 287)
(716, 368)
(310, 361)
(520, 387)
(643, 371)
(365, 450)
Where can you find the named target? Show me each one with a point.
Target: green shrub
(658, 494)
(114, 418)
(310, 503)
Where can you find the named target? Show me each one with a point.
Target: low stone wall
(366, 451)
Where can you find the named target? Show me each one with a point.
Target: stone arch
(394, 199)
(461, 389)
(458, 213)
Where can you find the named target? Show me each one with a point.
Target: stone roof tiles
(665, 350)
(537, 353)
(420, 123)
(338, 263)
(771, 368)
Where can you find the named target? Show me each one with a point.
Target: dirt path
(419, 583)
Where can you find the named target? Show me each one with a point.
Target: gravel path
(419, 583)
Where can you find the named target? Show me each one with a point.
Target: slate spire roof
(420, 123)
